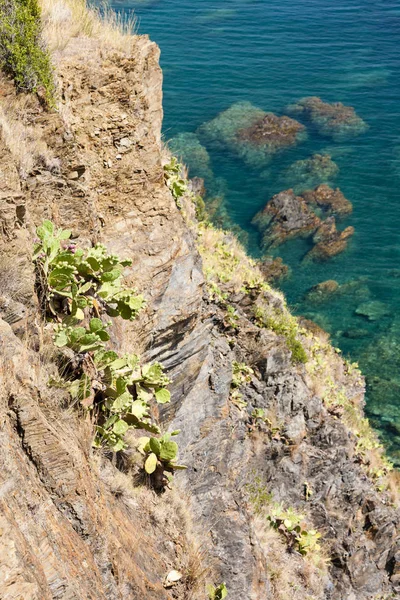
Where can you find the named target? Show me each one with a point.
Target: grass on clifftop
(23, 55)
(65, 20)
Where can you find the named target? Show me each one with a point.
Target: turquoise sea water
(272, 53)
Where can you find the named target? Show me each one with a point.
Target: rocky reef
(331, 119)
(270, 417)
(250, 133)
(332, 201)
(186, 146)
(284, 217)
(287, 216)
(329, 241)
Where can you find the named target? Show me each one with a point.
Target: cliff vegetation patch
(23, 54)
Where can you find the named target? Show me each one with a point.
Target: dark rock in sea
(328, 199)
(322, 291)
(329, 241)
(356, 334)
(284, 217)
(331, 119)
(273, 269)
(272, 131)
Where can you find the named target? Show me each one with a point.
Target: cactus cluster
(72, 279)
(159, 452)
(217, 593)
(174, 180)
(291, 524)
(78, 287)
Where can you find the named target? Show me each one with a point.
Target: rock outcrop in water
(329, 241)
(287, 216)
(252, 134)
(332, 201)
(74, 523)
(186, 146)
(331, 119)
(284, 217)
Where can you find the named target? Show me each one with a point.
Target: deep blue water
(272, 54)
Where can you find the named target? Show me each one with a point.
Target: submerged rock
(272, 131)
(328, 199)
(331, 119)
(187, 147)
(373, 310)
(273, 269)
(317, 169)
(329, 241)
(251, 133)
(284, 217)
(356, 334)
(322, 291)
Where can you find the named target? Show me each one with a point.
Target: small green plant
(291, 523)
(81, 339)
(22, 52)
(241, 373)
(232, 317)
(237, 399)
(285, 325)
(71, 279)
(200, 208)
(217, 593)
(174, 180)
(308, 541)
(258, 495)
(159, 452)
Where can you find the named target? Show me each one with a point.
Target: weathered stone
(284, 217)
(328, 199)
(329, 241)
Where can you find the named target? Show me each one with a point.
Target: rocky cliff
(287, 428)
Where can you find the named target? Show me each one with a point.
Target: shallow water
(272, 54)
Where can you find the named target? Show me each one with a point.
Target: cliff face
(73, 526)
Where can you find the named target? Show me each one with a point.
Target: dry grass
(225, 260)
(24, 142)
(64, 20)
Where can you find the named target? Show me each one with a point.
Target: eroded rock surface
(284, 217)
(329, 200)
(329, 241)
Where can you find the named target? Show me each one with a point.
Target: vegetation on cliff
(23, 55)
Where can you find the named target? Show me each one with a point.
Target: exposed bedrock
(285, 216)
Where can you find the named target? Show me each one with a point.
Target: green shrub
(283, 324)
(22, 52)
